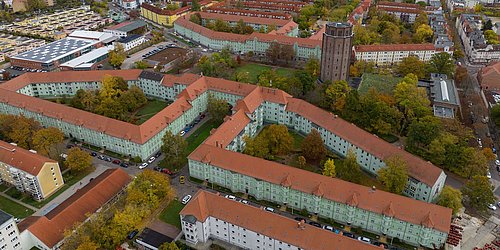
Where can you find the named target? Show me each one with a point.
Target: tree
(479, 192)
(441, 63)
(141, 65)
(117, 56)
(169, 246)
(312, 67)
(491, 37)
(301, 161)
(359, 67)
(217, 108)
(329, 168)
(78, 160)
(279, 139)
(411, 65)
(488, 154)
(349, 169)
(19, 129)
(450, 198)
(195, 5)
(32, 5)
(195, 18)
(242, 76)
(257, 147)
(423, 34)
(222, 26)
(132, 99)
(421, 133)
(172, 6)
(45, 141)
(458, 53)
(411, 99)
(174, 148)
(312, 146)
(88, 245)
(279, 52)
(488, 25)
(495, 114)
(394, 175)
(421, 19)
(335, 94)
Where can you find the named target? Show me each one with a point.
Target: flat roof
(56, 50)
(128, 26)
(4, 217)
(152, 238)
(88, 57)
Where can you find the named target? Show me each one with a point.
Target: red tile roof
(122, 24)
(243, 12)
(394, 47)
(490, 77)
(418, 168)
(401, 10)
(22, 159)
(205, 204)
(227, 131)
(166, 12)
(377, 201)
(50, 228)
(247, 19)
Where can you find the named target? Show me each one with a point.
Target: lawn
(297, 139)
(3, 187)
(382, 83)
(197, 137)
(149, 110)
(69, 180)
(14, 209)
(254, 70)
(170, 214)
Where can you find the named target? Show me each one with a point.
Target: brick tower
(336, 52)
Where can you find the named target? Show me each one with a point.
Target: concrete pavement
(71, 190)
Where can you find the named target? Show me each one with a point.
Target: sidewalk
(70, 191)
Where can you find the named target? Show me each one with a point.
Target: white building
(124, 29)
(388, 54)
(9, 234)
(131, 41)
(209, 216)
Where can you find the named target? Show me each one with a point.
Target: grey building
(443, 96)
(336, 52)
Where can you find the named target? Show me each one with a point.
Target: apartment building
(209, 216)
(406, 12)
(477, 50)
(49, 25)
(28, 171)
(283, 26)
(167, 17)
(189, 94)
(47, 231)
(390, 54)
(242, 12)
(9, 234)
(256, 42)
(131, 41)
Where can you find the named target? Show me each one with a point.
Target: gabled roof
(376, 201)
(227, 131)
(205, 204)
(50, 228)
(418, 168)
(22, 159)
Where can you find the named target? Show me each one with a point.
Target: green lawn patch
(170, 214)
(69, 180)
(198, 136)
(3, 187)
(286, 72)
(253, 70)
(297, 139)
(382, 83)
(14, 193)
(14, 209)
(149, 110)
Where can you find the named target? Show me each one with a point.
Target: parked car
(361, 238)
(314, 223)
(151, 160)
(123, 164)
(497, 162)
(182, 133)
(64, 156)
(347, 234)
(182, 179)
(93, 154)
(202, 116)
(143, 165)
(116, 161)
(488, 175)
(186, 199)
(157, 154)
(132, 234)
(329, 228)
(492, 207)
(157, 169)
(167, 171)
(244, 201)
(108, 159)
(101, 157)
(231, 197)
(269, 209)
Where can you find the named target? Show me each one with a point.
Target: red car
(116, 161)
(166, 171)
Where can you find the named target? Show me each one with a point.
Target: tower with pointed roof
(336, 52)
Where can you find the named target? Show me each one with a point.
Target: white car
(244, 201)
(231, 197)
(492, 207)
(488, 175)
(329, 228)
(497, 162)
(361, 238)
(270, 209)
(151, 160)
(182, 133)
(144, 165)
(186, 199)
